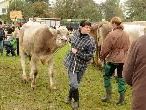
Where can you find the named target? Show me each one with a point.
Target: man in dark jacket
(2, 36)
(82, 49)
(135, 73)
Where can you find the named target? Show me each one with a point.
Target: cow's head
(62, 36)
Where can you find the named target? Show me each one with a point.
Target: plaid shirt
(85, 46)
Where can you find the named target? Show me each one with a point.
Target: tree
(40, 9)
(112, 8)
(30, 9)
(77, 9)
(135, 9)
(16, 5)
(64, 8)
(33, 1)
(88, 9)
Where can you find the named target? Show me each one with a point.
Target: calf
(39, 42)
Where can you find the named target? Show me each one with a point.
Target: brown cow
(100, 31)
(39, 42)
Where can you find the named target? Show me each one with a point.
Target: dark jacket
(86, 47)
(135, 73)
(2, 34)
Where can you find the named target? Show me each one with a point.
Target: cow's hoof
(54, 88)
(24, 79)
(30, 79)
(33, 88)
(33, 85)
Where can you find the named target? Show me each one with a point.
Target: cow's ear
(58, 32)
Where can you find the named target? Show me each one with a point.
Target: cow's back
(37, 39)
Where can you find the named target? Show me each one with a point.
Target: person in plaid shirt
(82, 50)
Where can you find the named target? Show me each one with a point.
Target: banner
(16, 14)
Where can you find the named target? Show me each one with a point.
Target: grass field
(15, 95)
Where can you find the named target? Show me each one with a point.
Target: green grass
(16, 95)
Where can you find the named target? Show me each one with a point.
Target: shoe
(121, 100)
(68, 100)
(107, 97)
(75, 105)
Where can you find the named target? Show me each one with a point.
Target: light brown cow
(99, 30)
(40, 42)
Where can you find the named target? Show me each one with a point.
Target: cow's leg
(50, 72)
(33, 73)
(22, 58)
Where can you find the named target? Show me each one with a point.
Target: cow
(100, 30)
(39, 43)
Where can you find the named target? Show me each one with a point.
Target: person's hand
(74, 50)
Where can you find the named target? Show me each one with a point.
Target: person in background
(82, 49)
(2, 36)
(11, 42)
(113, 53)
(134, 72)
(16, 35)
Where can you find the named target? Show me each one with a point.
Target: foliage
(135, 10)
(33, 1)
(16, 95)
(40, 9)
(30, 9)
(112, 8)
(5, 18)
(77, 9)
(80, 9)
(21, 5)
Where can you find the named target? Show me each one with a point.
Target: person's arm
(128, 69)
(106, 47)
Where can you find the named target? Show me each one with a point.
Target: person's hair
(84, 23)
(0, 23)
(116, 20)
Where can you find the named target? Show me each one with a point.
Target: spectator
(113, 53)
(2, 36)
(82, 49)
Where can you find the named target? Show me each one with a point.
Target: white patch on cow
(64, 38)
(62, 35)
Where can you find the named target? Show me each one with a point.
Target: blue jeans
(1, 47)
(75, 78)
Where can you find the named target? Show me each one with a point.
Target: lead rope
(75, 64)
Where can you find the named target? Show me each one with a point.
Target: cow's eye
(58, 32)
(68, 34)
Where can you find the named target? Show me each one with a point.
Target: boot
(69, 98)
(121, 99)
(107, 97)
(75, 103)
(121, 90)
